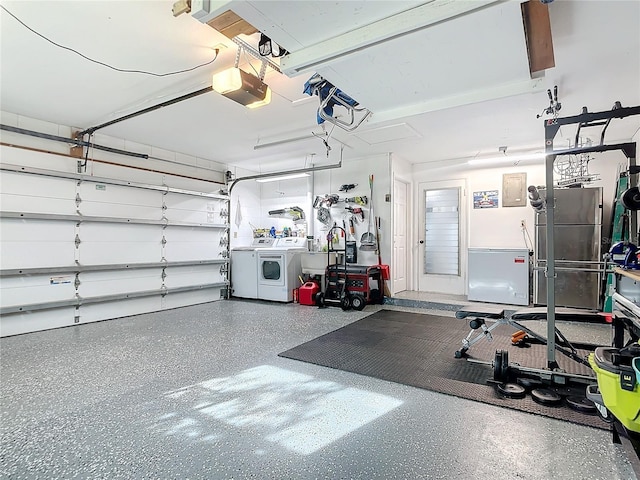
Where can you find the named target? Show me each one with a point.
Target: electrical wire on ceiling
(124, 70)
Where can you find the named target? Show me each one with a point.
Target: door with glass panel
(441, 238)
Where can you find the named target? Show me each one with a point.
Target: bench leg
(470, 340)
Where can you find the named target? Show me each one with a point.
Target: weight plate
(504, 374)
(544, 396)
(529, 383)
(501, 366)
(581, 404)
(497, 366)
(511, 390)
(631, 198)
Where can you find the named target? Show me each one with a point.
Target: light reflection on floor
(291, 409)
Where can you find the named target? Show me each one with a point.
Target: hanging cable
(86, 156)
(527, 238)
(325, 138)
(124, 70)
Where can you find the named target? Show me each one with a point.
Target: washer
(279, 268)
(244, 268)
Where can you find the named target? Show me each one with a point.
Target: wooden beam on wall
(537, 29)
(77, 151)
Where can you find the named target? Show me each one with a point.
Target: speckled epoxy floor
(199, 392)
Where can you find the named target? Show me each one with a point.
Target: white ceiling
(458, 88)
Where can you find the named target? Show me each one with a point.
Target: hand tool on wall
(294, 213)
(324, 216)
(356, 211)
(328, 200)
(368, 239)
(357, 200)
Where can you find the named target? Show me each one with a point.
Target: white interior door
(442, 237)
(400, 235)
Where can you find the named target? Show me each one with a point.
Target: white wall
(246, 195)
(500, 227)
(257, 199)
(357, 171)
(490, 227)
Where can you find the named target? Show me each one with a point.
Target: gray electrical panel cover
(514, 190)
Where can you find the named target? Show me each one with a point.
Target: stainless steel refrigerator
(577, 239)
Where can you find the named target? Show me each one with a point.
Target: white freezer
(499, 275)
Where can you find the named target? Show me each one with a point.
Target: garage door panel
(189, 276)
(121, 211)
(113, 243)
(117, 201)
(25, 204)
(120, 195)
(36, 243)
(17, 323)
(33, 194)
(191, 209)
(95, 284)
(27, 290)
(95, 312)
(97, 233)
(182, 299)
(192, 234)
(185, 243)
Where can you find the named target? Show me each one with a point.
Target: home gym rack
(551, 128)
(480, 318)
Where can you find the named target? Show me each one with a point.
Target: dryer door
(272, 269)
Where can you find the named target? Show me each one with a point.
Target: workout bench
(480, 315)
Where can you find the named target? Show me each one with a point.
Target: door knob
(421, 241)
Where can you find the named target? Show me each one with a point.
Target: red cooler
(307, 293)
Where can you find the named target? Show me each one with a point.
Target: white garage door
(76, 249)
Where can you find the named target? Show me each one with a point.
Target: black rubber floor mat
(418, 350)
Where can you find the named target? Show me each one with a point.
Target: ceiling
(457, 88)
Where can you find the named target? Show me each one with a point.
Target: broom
(368, 240)
(385, 287)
